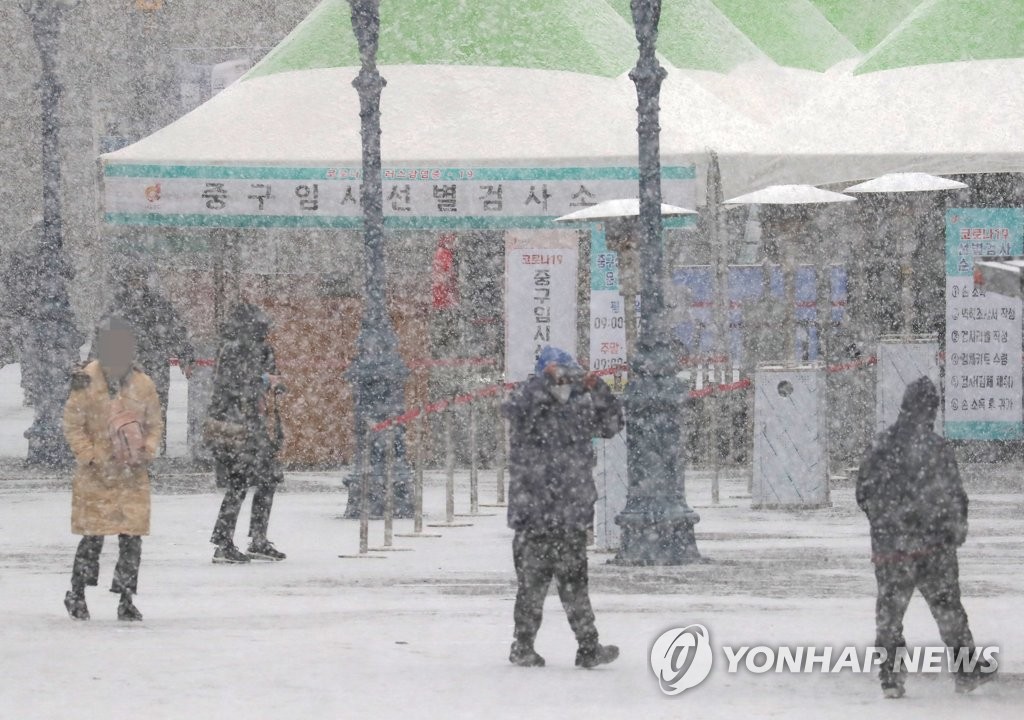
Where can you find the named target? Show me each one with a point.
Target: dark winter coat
(551, 455)
(159, 331)
(242, 395)
(909, 485)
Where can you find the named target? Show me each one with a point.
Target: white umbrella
(789, 195)
(906, 182)
(616, 209)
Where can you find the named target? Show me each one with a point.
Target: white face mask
(561, 393)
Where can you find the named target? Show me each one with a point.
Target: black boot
(594, 655)
(74, 601)
(524, 655)
(126, 609)
(966, 682)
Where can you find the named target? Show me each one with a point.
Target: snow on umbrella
(906, 182)
(616, 209)
(789, 195)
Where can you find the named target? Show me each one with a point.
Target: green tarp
(952, 30)
(793, 33)
(573, 35)
(695, 35)
(865, 23)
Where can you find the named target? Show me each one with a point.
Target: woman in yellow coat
(113, 424)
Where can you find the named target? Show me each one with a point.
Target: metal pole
(719, 248)
(364, 494)
(474, 478)
(657, 525)
(378, 373)
(389, 490)
(502, 457)
(449, 467)
(417, 522)
(53, 346)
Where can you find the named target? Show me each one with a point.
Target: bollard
(449, 482)
(417, 487)
(474, 475)
(389, 490)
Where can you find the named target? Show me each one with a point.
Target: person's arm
(957, 496)
(866, 479)
(75, 417)
(153, 422)
(606, 419)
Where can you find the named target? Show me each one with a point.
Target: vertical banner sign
(607, 315)
(540, 296)
(607, 350)
(983, 330)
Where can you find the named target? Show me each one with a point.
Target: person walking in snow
(909, 486)
(243, 429)
(113, 424)
(553, 417)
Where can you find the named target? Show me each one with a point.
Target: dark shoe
(966, 682)
(597, 655)
(127, 611)
(229, 555)
(893, 692)
(525, 656)
(265, 551)
(75, 604)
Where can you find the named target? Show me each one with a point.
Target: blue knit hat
(549, 354)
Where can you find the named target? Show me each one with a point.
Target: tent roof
(573, 35)
(696, 35)
(865, 23)
(792, 32)
(952, 30)
(440, 114)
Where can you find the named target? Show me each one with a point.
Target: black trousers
(937, 576)
(538, 558)
(259, 520)
(86, 570)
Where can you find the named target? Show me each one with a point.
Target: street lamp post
(378, 373)
(657, 524)
(52, 347)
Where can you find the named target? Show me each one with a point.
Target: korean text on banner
(607, 314)
(983, 330)
(540, 296)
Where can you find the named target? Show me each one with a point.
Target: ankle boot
(126, 609)
(74, 602)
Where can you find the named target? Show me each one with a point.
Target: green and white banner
(235, 196)
(983, 330)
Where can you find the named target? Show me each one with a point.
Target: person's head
(920, 402)
(559, 370)
(115, 346)
(248, 323)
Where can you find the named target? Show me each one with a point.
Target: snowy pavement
(424, 634)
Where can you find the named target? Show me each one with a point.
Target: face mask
(561, 393)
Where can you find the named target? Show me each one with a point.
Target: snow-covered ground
(424, 634)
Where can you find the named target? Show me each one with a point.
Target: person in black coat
(552, 418)
(245, 391)
(909, 487)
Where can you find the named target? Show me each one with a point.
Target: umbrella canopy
(791, 32)
(572, 35)
(790, 195)
(865, 23)
(941, 31)
(907, 182)
(616, 209)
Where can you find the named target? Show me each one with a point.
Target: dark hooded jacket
(242, 395)
(160, 332)
(909, 485)
(551, 455)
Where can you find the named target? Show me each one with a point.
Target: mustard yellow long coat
(109, 498)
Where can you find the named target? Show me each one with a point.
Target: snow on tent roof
(941, 31)
(792, 32)
(574, 35)
(865, 23)
(695, 35)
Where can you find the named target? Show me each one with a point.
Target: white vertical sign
(540, 296)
